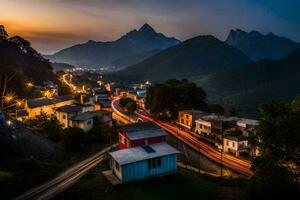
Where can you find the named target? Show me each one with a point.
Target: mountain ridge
(198, 55)
(100, 53)
(261, 46)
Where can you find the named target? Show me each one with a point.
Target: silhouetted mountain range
(245, 87)
(104, 54)
(196, 56)
(258, 46)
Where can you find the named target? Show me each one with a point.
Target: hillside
(104, 54)
(126, 61)
(245, 87)
(258, 46)
(196, 56)
(17, 53)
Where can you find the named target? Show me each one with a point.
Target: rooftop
(193, 112)
(251, 122)
(131, 155)
(69, 108)
(143, 126)
(218, 117)
(87, 115)
(146, 134)
(34, 103)
(236, 138)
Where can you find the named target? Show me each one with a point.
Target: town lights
(19, 103)
(9, 97)
(48, 94)
(29, 84)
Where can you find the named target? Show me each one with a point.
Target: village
(143, 151)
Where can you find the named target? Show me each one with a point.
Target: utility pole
(222, 158)
(199, 155)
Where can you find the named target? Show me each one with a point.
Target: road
(65, 179)
(236, 164)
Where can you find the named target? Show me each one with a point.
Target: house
(186, 118)
(143, 162)
(63, 113)
(85, 120)
(139, 134)
(235, 144)
(212, 127)
(34, 107)
(247, 125)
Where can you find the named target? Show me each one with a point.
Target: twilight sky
(51, 25)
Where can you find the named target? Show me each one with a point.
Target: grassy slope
(182, 185)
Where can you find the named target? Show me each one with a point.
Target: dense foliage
(168, 98)
(277, 170)
(247, 86)
(128, 105)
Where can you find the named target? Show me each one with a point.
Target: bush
(73, 138)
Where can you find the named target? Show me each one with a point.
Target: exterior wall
(86, 126)
(203, 127)
(48, 109)
(186, 120)
(140, 170)
(235, 147)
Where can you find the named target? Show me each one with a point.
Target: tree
(101, 130)
(7, 75)
(277, 170)
(47, 125)
(128, 104)
(73, 138)
(168, 98)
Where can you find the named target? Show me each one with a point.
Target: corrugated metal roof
(146, 134)
(88, 115)
(69, 108)
(34, 103)
(131, 155)
(143, 126)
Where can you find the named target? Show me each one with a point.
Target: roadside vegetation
(128, 105)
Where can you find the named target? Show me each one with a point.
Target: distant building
(64, 113)
(143, 162)
(236, 144)
(34, 107)
(85, 120)
(186, 118)
(139, 134)
(213, 126)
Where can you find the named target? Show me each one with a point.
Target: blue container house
(143, 162)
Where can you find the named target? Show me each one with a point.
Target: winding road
(236, 164)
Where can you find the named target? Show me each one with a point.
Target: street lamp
(29, 84)
(9, 97)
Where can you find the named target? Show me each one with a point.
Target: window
(227, 142)
(117, 166)
(64, 116)
(154, 163)
(89, 122)
(233, 144)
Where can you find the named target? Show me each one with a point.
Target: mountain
(196, 56)
(96, 54)
(17, 53)
(61, 67)
(245, 87)
(258, 46)
(133, 59)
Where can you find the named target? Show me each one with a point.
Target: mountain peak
(146, 28)
(3, 33)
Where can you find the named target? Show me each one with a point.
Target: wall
(139, 170)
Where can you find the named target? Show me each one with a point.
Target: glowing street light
(9, 97)
(19, 103)
(29, 84)
(48, 94)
